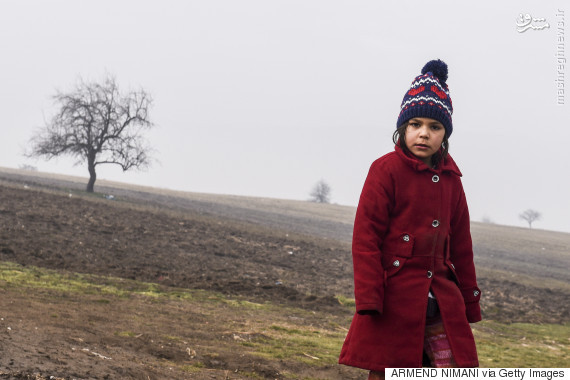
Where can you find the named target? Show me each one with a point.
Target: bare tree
(530, 216)
(28, 167)
(97, 124)
(321, 192)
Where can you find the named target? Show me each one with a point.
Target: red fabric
(396, 241)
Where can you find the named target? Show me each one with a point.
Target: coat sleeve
(370, 225)
(461, 255)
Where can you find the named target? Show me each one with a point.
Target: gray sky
(264, 98)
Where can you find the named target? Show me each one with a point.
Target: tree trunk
(92, 174)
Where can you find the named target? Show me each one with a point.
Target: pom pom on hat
(438, 68)
(428, 96)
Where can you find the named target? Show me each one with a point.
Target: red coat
(411, 233)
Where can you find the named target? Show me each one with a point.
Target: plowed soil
(157, 239)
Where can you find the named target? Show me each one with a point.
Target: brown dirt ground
(93, 235)
(113, 238)
(136, 238)
(55, 335)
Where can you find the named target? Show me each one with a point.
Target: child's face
(424, 137)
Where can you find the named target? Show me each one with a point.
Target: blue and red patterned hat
(428, 96)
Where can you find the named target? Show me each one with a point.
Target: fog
(265, 98)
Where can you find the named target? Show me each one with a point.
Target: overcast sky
(264, 98)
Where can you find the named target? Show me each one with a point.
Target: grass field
(276, 333)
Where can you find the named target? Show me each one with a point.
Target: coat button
(476, 293)
(435, 223)
(396, 263)
(453, 266)
(406, 238)
(429, 274)
(435, 178)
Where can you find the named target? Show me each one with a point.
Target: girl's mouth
(421, 146)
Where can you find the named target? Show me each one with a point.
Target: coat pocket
(451, 268)
(449, 264)
(401, 245)
(392, 264)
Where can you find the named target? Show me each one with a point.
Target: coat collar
(415, 163)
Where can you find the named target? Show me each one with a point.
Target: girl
(412, 243)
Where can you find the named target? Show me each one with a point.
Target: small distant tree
(487, 219)
(29, 168)
(97, 124)
(321, 192)
(530, 216)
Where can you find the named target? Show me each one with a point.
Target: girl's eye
(413, 124)
(436, 127)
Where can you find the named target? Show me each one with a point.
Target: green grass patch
(251, 375)
(517, 345)
(522, 345)
(188, 368)
(275, 337)
(298, 343)
(346, 301)
(16, 276)
(243, 304)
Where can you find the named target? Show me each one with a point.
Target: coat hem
(381, 367)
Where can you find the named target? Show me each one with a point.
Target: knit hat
(429, 97)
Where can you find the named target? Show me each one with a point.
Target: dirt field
(241, 248)
(98, 236)
(99, 335)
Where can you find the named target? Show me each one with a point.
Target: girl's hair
(399, 137)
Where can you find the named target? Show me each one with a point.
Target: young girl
(412, 243)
